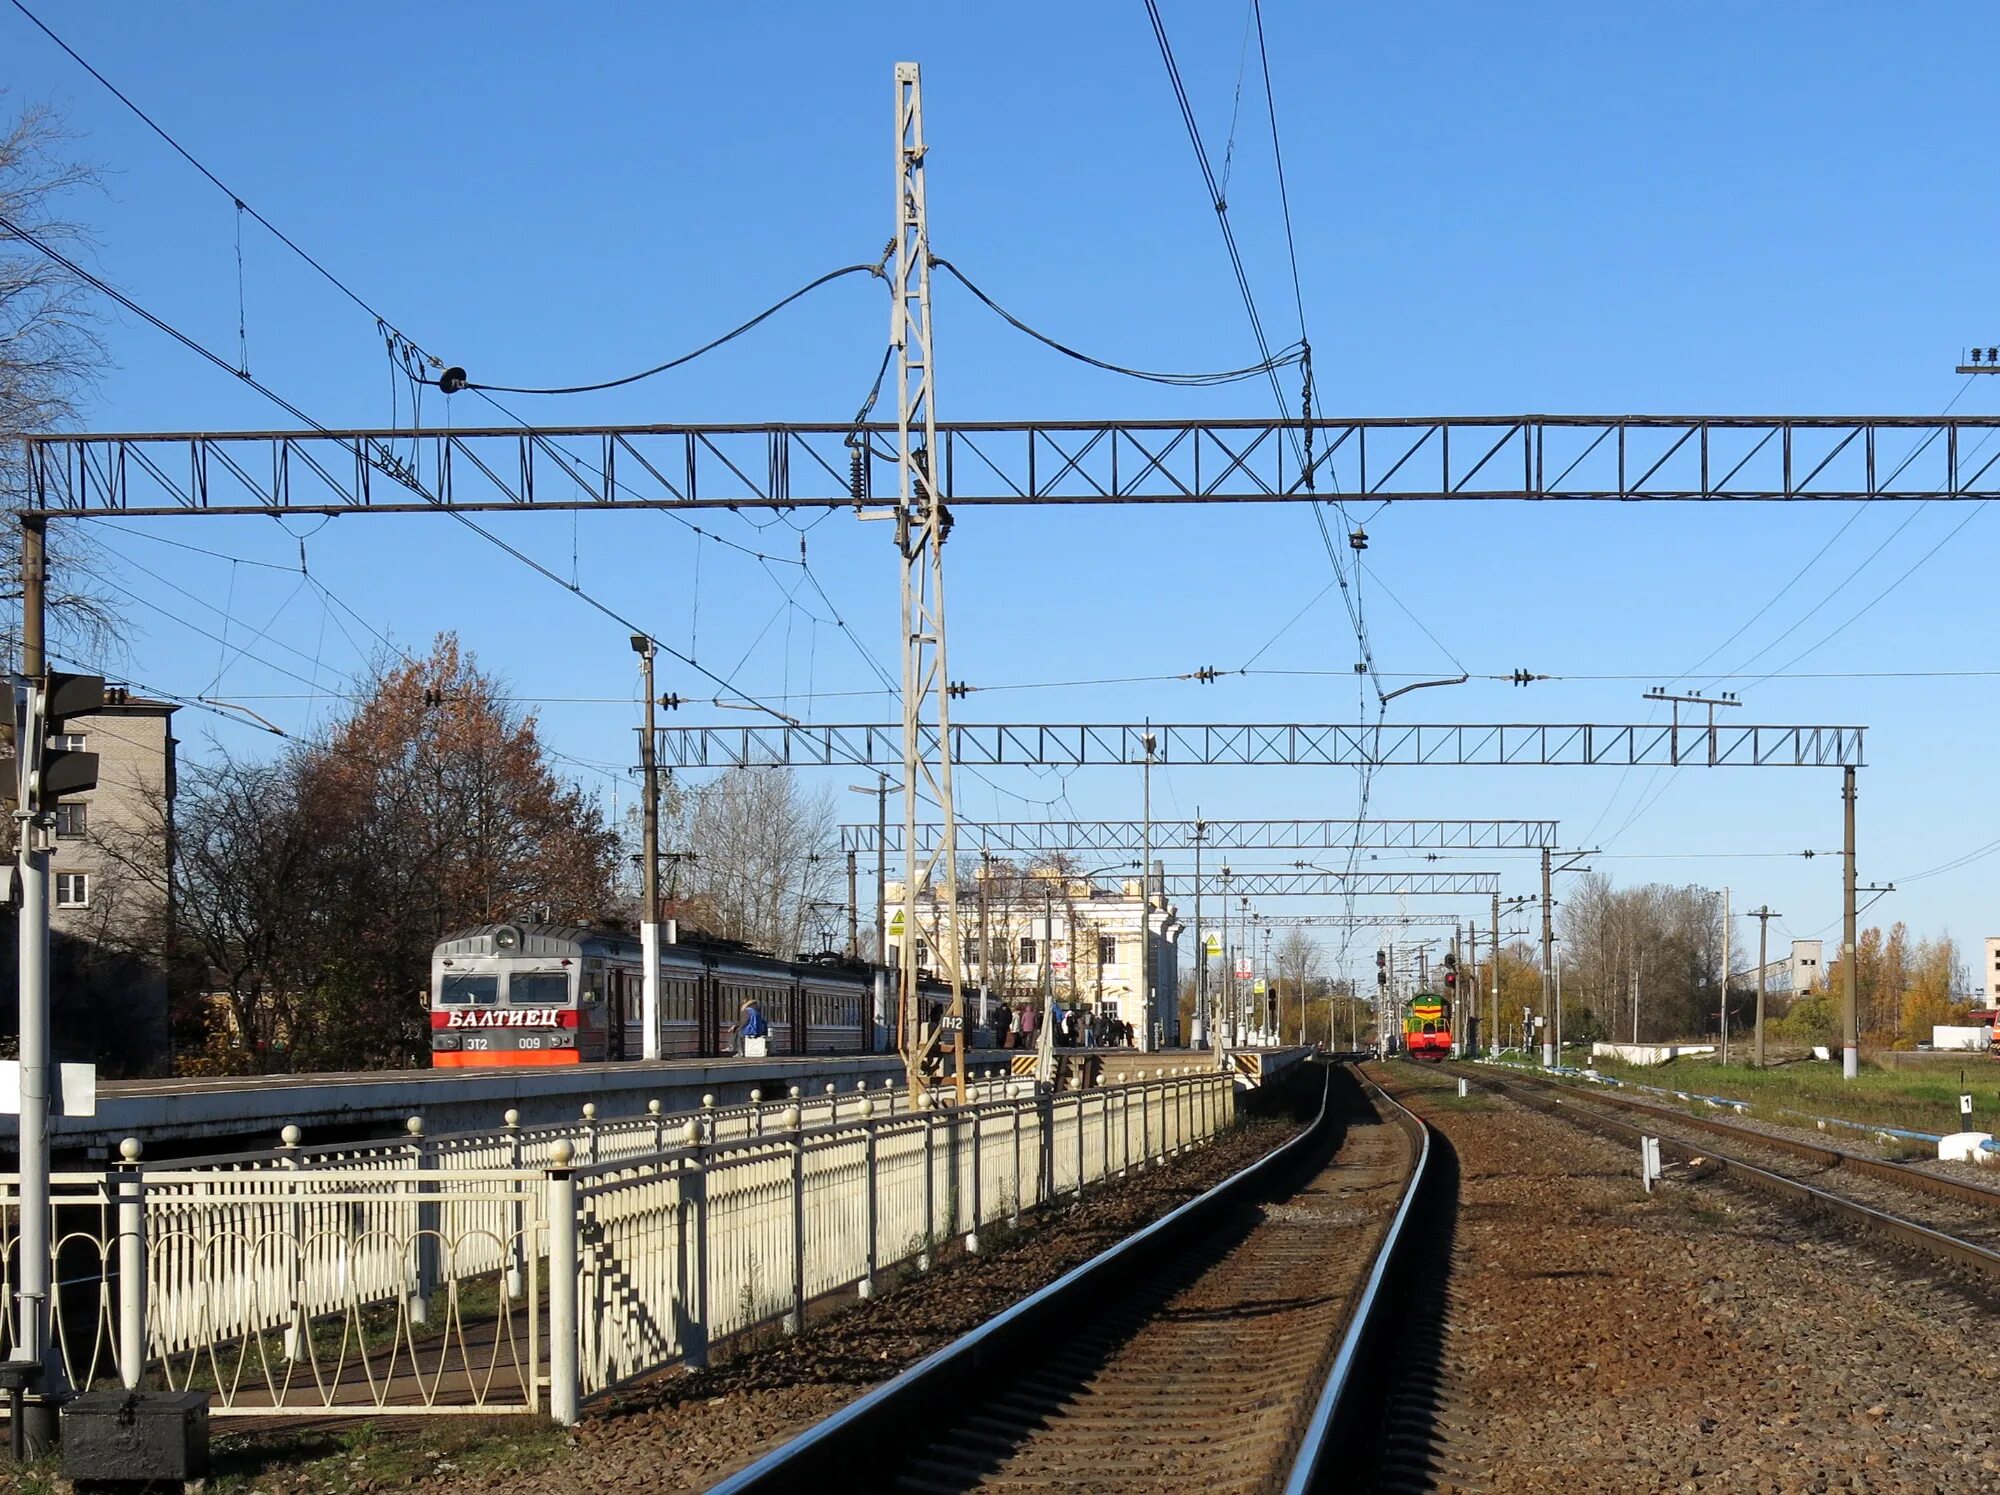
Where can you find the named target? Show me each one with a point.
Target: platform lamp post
(881, 789)
(649, 874)
(1148, 1002)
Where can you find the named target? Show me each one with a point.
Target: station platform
(222, 1113)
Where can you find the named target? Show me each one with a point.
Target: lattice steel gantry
(1036, 837)
(921, 526)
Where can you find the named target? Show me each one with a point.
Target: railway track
(1221, 1349)
(1949, 1246)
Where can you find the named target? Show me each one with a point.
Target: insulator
(857, 474)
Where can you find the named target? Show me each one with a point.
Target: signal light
(1451, 960)
(1381, 958)
(1450, 979)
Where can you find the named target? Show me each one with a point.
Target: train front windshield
(502, 1016)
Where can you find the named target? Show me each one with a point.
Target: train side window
(458, 990)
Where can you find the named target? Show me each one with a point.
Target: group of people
(1019, 1027)
(1015, 1026)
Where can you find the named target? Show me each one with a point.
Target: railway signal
(42, 710)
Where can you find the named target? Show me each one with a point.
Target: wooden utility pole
(1763, 916)
(1548, 958)
(1725, 975)
(1850, 1016)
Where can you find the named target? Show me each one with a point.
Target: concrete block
(135, 1437)
(1964, 1147)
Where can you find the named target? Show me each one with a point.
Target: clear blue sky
(1713, 209)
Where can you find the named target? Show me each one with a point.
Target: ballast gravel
(1701, 1339)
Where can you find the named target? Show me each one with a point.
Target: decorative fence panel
(524, 1270)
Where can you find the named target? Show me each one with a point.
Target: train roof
(535, 939)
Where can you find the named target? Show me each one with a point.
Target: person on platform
(750, 1026)
(1003, 1017)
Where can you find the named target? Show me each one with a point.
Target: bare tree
(51, 352)
(1297, 957)
(764, 850)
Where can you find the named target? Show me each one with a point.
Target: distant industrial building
(1794, 974)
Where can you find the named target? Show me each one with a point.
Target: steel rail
(1311, 1469)
(1820, 1152)
(1936, 1243)
(830, 1454)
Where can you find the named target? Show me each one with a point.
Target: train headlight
(507, 938)
(562, 1041)
(444, 1040)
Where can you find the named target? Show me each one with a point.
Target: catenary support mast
(921, 526)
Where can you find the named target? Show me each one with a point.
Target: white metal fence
(527, 1269)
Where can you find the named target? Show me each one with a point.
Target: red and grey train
(543, 994)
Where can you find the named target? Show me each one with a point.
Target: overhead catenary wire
(1285, 357)
(685, 358)
(390, 329)
(589, 599)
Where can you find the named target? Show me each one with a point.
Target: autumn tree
(314, 888)
(50, 352)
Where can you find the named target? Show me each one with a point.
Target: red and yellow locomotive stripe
(1427, 1029)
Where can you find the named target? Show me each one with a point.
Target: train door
(708, 1021)
(616, 1002)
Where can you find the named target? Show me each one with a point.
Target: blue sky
(1709, 209)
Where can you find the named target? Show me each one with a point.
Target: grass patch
(364, 1455)
(1917, 1101)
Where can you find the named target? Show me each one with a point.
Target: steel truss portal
(1360, 921)
(1104, 836)
(1720, 458)
(1275, 744)
(1332, 884)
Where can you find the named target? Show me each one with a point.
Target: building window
(996, 951)
(72, 821)
(72, 890)
(70, 742)
(1107, 950)
(972, 949)
(1027, 949)
(923, 953)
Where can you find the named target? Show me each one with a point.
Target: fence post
(870, 1219)
(1080, 1095)
(1045, 1186)
(1146, 1125)
(1104, 1129)
(930, 1191)
(972, 1235)
(757, 1113)
(517, 1209)
(654, 1111)
(589, 1133)
(288, 1144)
(565, 1367)
(1014, 1127)
(694, 1256)
(832, 1101)
(424, 1245)
(795, 1123)
(131, 1266)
